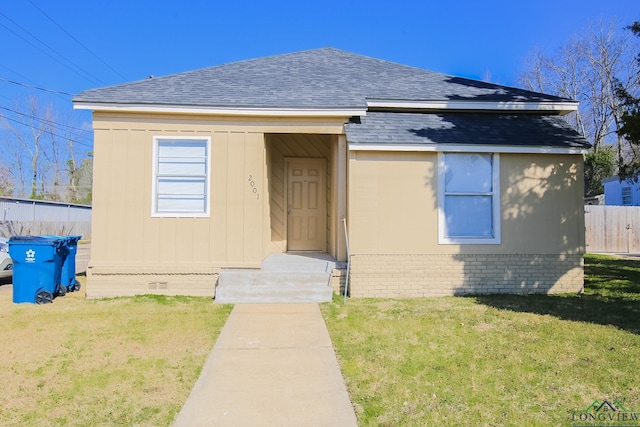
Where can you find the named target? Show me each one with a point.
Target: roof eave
(467, 148)
(556, 107)
(222, 110)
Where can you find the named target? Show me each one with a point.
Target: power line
(78, 41)
(64, 186)
(51, 122)
(88, 75)
(54, 134)
(35, 87)
(5, 97)
(95, 78)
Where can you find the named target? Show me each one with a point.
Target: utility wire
(35, 87)
(52, 133)
(18, 74)
(51, 122)
(5, 97)
(88, 75)
(78, 41)
(95, 78)
(64, 186)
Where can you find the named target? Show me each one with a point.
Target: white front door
(306, 204)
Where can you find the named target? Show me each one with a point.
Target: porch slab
(283, 278)
(317, 262)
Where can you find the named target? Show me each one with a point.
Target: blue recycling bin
(37, 264)
(68, 282)
(68, 272)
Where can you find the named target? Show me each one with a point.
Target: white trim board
(467, 148)
(562, 107)
(227, 111)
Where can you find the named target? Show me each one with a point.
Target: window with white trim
(627, 200)
(469, 198)
(181, 168)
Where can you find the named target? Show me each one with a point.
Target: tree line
(600, 68)
(45, 155)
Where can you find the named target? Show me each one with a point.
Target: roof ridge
(311, 78)
(209, 67)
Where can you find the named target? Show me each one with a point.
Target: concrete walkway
(273, 365)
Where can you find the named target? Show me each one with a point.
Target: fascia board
(226, 111)
(563, 107)
(467, 148)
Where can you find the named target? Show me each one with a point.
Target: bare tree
(586, 69)
(25, 134)
(40, 151)
(52, 191)
(62, 157)
(6, 181)
(630, 121)
(14, 163)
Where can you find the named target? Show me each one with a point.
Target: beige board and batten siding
(395, 251)
(133, 252)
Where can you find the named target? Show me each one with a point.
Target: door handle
(289, 207)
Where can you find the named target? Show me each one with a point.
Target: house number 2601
(254, 189)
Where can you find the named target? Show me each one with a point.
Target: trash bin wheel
(62, 290)
(76, 286)
(44, 297)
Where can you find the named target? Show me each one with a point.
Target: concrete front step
(259, 286)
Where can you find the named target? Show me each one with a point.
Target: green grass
(121, 361)
(493, 360)
(474, 361)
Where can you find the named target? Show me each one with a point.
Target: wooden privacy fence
(613, 229)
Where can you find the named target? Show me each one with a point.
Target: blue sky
(134, 39)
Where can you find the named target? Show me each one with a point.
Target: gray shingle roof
(464, 128)
(318, 78)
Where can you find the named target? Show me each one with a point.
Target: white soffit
(226, 111)
(467, 148)
(547, 106)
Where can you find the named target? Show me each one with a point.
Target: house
(597, 200)
(447, 185)
(620, 193)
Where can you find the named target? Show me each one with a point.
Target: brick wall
(439, 275)
(338, 280)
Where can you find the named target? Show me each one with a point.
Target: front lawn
(122, 361)
(495, 360)
(473, 361)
